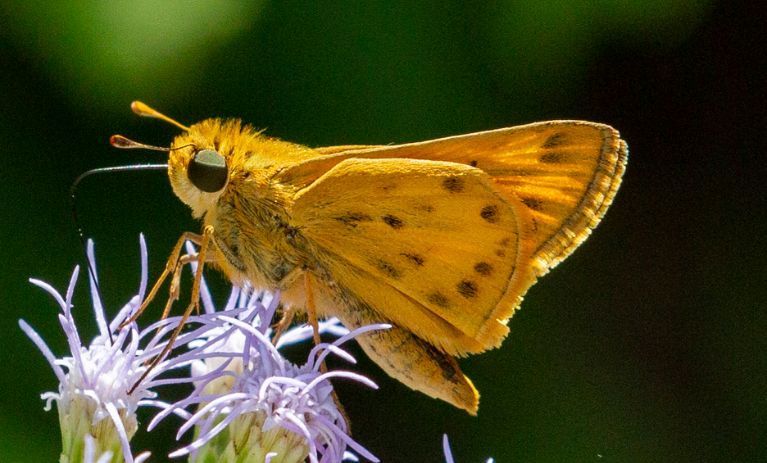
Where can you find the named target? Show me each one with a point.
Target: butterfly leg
(283, 324)
(311, 312)
(170, 268)
(175, 282)
(204, 243)
(288, 281)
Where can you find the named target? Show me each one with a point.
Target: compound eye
(207, 171)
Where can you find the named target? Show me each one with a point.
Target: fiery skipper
(440, 238)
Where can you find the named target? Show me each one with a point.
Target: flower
(97, 414)
(252, 403)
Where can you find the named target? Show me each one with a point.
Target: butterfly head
(202, 160)
(200, 163)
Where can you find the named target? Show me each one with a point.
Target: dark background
(648, 344)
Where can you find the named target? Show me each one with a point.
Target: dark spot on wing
(425, 207)
(533, 203)
(473, 163)
(453, 184)
(388, 269)
(414, 258)
(447, 365)
(490, 213)
(438, 299)
(504, 243)
(555, 140)
(552, 158)
(351, 219)
(483, 268)
(467, 289)
(393, 221)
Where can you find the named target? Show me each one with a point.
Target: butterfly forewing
(437, 234)
(565, 173)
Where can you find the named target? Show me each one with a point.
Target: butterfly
(441, 238)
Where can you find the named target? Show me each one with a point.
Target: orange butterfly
(440, 238)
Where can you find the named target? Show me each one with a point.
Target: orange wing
(429, 244)
(566, 173)
(444, 237)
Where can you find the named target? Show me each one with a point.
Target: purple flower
(96, 413)
(251, 402)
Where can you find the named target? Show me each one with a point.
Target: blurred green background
(648, 344)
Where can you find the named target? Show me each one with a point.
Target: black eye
(208, 171)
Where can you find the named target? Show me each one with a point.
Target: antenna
(119, 141)
(125, 143)
(144, 110)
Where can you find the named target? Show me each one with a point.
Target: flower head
(252, 402)
(97, 414)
